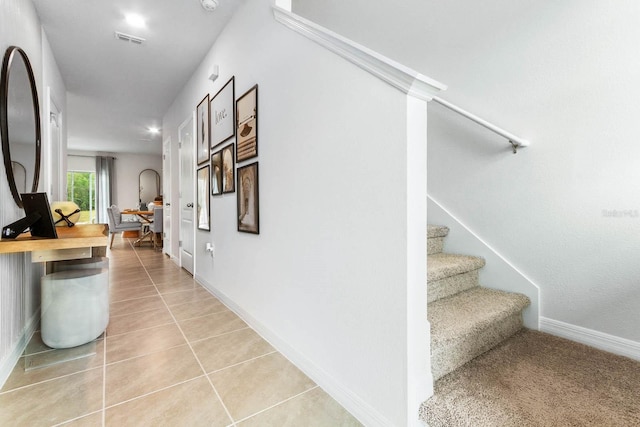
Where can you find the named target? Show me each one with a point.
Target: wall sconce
(213, 73)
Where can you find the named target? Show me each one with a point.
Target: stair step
(437, 231)
(441, 266)
(469, 323)
(435, 238)
(444, 288)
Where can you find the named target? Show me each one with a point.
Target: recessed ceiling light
(135, 20)
(154, 130)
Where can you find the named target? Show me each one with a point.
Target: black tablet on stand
(39, 219)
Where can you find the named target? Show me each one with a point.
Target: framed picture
(247, 125)
(216, 173)
(202, 199)
(202, 130)
(248, 199)
(223, 114)
(228, 169)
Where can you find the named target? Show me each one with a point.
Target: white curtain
(104, 186)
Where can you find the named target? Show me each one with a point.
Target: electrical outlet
(211, 248)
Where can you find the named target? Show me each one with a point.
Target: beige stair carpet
(449, 274)
(538, 380)
(435, 238)
(469, 323)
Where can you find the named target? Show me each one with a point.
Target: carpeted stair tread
(470, 312)
(444, 265)
(437, 231)
(534, 379)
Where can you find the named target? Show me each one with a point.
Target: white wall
(19, 293)
(327, 274)
(53, 85)
(565, 211)
(127, 169)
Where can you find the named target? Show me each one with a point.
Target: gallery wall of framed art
(227, 136)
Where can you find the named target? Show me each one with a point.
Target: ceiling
(116, 90)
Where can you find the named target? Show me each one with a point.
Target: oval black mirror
(19, 121)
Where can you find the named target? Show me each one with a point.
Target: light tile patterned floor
(173, 355)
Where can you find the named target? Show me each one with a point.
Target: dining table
(146, 218)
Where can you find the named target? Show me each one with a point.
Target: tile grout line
(189, 344)
(141, 329)
(279, 403)
(244, 361)
(154, 391)
(74, 419)
(144, 354)
(220, 335)
(104, 378)
(104, 367)
(49, 380)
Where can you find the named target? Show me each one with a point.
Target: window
(81, 189)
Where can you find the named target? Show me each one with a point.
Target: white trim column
(419, 89)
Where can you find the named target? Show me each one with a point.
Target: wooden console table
(79, 241)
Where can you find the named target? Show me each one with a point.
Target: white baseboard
(600, 340)
(360, 409)
(7, 365)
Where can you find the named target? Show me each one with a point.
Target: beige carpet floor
(535, 379)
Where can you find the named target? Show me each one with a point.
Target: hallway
(173, 355)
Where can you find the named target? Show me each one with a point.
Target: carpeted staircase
(466, 319)
(512, 376)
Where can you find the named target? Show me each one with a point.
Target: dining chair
(116, 225)
(156, 227)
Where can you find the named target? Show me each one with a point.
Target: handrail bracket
(515, 146)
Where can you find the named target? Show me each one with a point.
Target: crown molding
(401, 77)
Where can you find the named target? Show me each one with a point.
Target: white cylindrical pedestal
(75, 306)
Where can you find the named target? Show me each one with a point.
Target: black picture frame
(228, 169)
(223, 114)
(247, 125)
(248, 199)
(203, 125)
(203, 200)
(216, 173)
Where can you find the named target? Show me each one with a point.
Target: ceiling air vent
(129, 38)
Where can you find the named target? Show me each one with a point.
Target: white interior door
(187, 199)
(166, 196)
(53, 166)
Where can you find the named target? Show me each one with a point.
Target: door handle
(189, 205)
(167, 204)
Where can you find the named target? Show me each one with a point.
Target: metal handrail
(515, 141)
